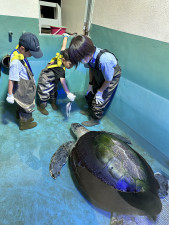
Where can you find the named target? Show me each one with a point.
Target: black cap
(31, 43)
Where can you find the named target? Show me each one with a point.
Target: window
(49, 15)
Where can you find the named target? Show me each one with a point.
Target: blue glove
(99, 98)
(10, 98)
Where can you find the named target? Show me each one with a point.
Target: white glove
(10, 98)
(90, 89)
(71, 96)
(99, 98)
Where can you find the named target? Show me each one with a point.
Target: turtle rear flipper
(163, 184)
(59, 159)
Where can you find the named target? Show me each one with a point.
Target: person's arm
(90, 76)
(99, 94)
(70, 96)
(64, 85)
(10, 97)
(104, 86)
(10, 87)
(64, 43)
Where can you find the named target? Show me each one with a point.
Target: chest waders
(98, 80)
(47, 83)
(24, 90)
(57, 61)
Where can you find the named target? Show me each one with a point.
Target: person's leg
(53, 96)
(99, 109)
(85, 112)
(90, 100)
(42, 108)
(17, 115)
(45, 86)
(25, 120)
(94, 120)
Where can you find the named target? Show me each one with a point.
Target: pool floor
(28, 194)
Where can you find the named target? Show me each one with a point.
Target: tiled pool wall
(141, 102)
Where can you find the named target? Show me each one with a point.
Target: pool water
(28, 194)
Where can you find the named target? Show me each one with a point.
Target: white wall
(147, 18)
(73, 13)
(21, 8)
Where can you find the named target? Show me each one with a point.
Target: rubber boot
(53, 104)
(25, 125)
(42, 109)
(91, 122)
(17, 114)
(85, 112)
(17, 117)
(31, 119)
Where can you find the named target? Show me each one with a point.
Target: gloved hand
(10, 98)
(71, 96)
(90, 89)
(65, 35)
(99, 98)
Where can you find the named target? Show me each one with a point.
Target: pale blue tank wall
(49, 44)
(142, 98)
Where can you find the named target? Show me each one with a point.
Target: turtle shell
(113, 162)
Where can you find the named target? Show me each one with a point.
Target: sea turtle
(109, 157)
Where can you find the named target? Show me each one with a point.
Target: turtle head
(78, 129)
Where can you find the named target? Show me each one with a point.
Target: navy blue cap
(31, 43)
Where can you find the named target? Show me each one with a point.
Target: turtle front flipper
(121, 138)
(60, 158)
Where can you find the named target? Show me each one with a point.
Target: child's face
(67, 64)
(86, 59)
(26, 54)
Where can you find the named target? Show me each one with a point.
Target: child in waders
(50, 77)
(104, 75)
(21, 85)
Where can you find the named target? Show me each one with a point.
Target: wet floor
(28, 194)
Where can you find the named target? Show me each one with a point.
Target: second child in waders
(51, 76)
(21, 85)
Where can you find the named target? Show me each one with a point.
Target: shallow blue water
(28, 194)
